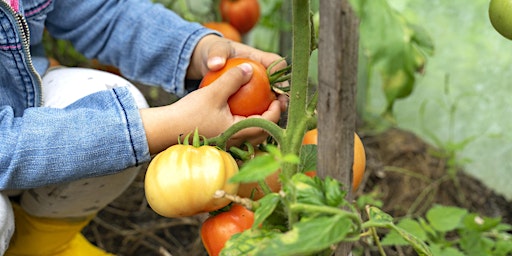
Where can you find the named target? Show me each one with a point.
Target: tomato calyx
(279, 76)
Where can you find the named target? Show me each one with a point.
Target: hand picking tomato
(242, 14)
(311, 137)
(181, 180)
(225, 29)
(254, 97)
(217, 229)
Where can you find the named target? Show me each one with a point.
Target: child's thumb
(234, 78)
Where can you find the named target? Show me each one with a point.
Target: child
(73, 139)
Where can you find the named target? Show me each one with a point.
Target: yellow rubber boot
(50, 237)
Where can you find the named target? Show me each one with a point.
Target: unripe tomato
(254, 191)
(500, 14)
(311, 137)
(241, 14)
(225, 29)
(181, 180)
(217, 229)
(254, 97)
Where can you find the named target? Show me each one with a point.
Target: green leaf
(411, 226)
(438, 250)
(502, 248)
(308, 237)
(334, 195)
(445, 218)
(378, 216)
(268, 204)
(419, 246)
(247, 242)
(307, 190)
(473, 221)
(308, 158)
(256, 169)
(473, 243)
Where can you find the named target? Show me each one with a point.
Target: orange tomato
(358, 168)
(254, 97)
(226, 29)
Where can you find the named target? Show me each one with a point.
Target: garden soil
(402, 172)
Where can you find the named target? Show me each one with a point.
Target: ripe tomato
(500, 15)
(254, 97)
(217, 229)
(254, 191)
(311, 137)
(181, 180)
(225, 29)
(242, 14)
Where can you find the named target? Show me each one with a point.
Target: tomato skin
(181, 180)
(254, 97)
(225, 29)
(216, 230)
(241, 14)
(358, 168)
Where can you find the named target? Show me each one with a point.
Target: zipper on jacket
(25, 45)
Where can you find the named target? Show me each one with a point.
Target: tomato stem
(273, 129)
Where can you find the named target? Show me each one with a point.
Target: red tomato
(225, 29)
(217, 229)
(241, 14)
(254, 97)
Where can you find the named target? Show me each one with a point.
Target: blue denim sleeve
(148, 42)
(104, 134)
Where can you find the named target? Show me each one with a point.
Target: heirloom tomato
(254, 97)
(241, 14)
(311, 137)
(225, 29)
(217, 229)
(181, 180)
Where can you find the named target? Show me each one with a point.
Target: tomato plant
(500, 16)
(181, 180)
(254, 97)
(217, 229)
(359, 166)
(242, 14)
(225, 29)
(254, 190)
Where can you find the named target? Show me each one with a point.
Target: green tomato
(500, 14)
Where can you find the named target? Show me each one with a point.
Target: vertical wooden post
(337, 58)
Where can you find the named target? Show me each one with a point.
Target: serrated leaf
(334, 195)
(268, 204)
(411, 226)
(306, 189)
(308, 157)
(308, 237)
(419, 246)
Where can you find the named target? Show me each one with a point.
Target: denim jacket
(101, 133)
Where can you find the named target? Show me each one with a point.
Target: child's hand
(206, 109)
(212, 51)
